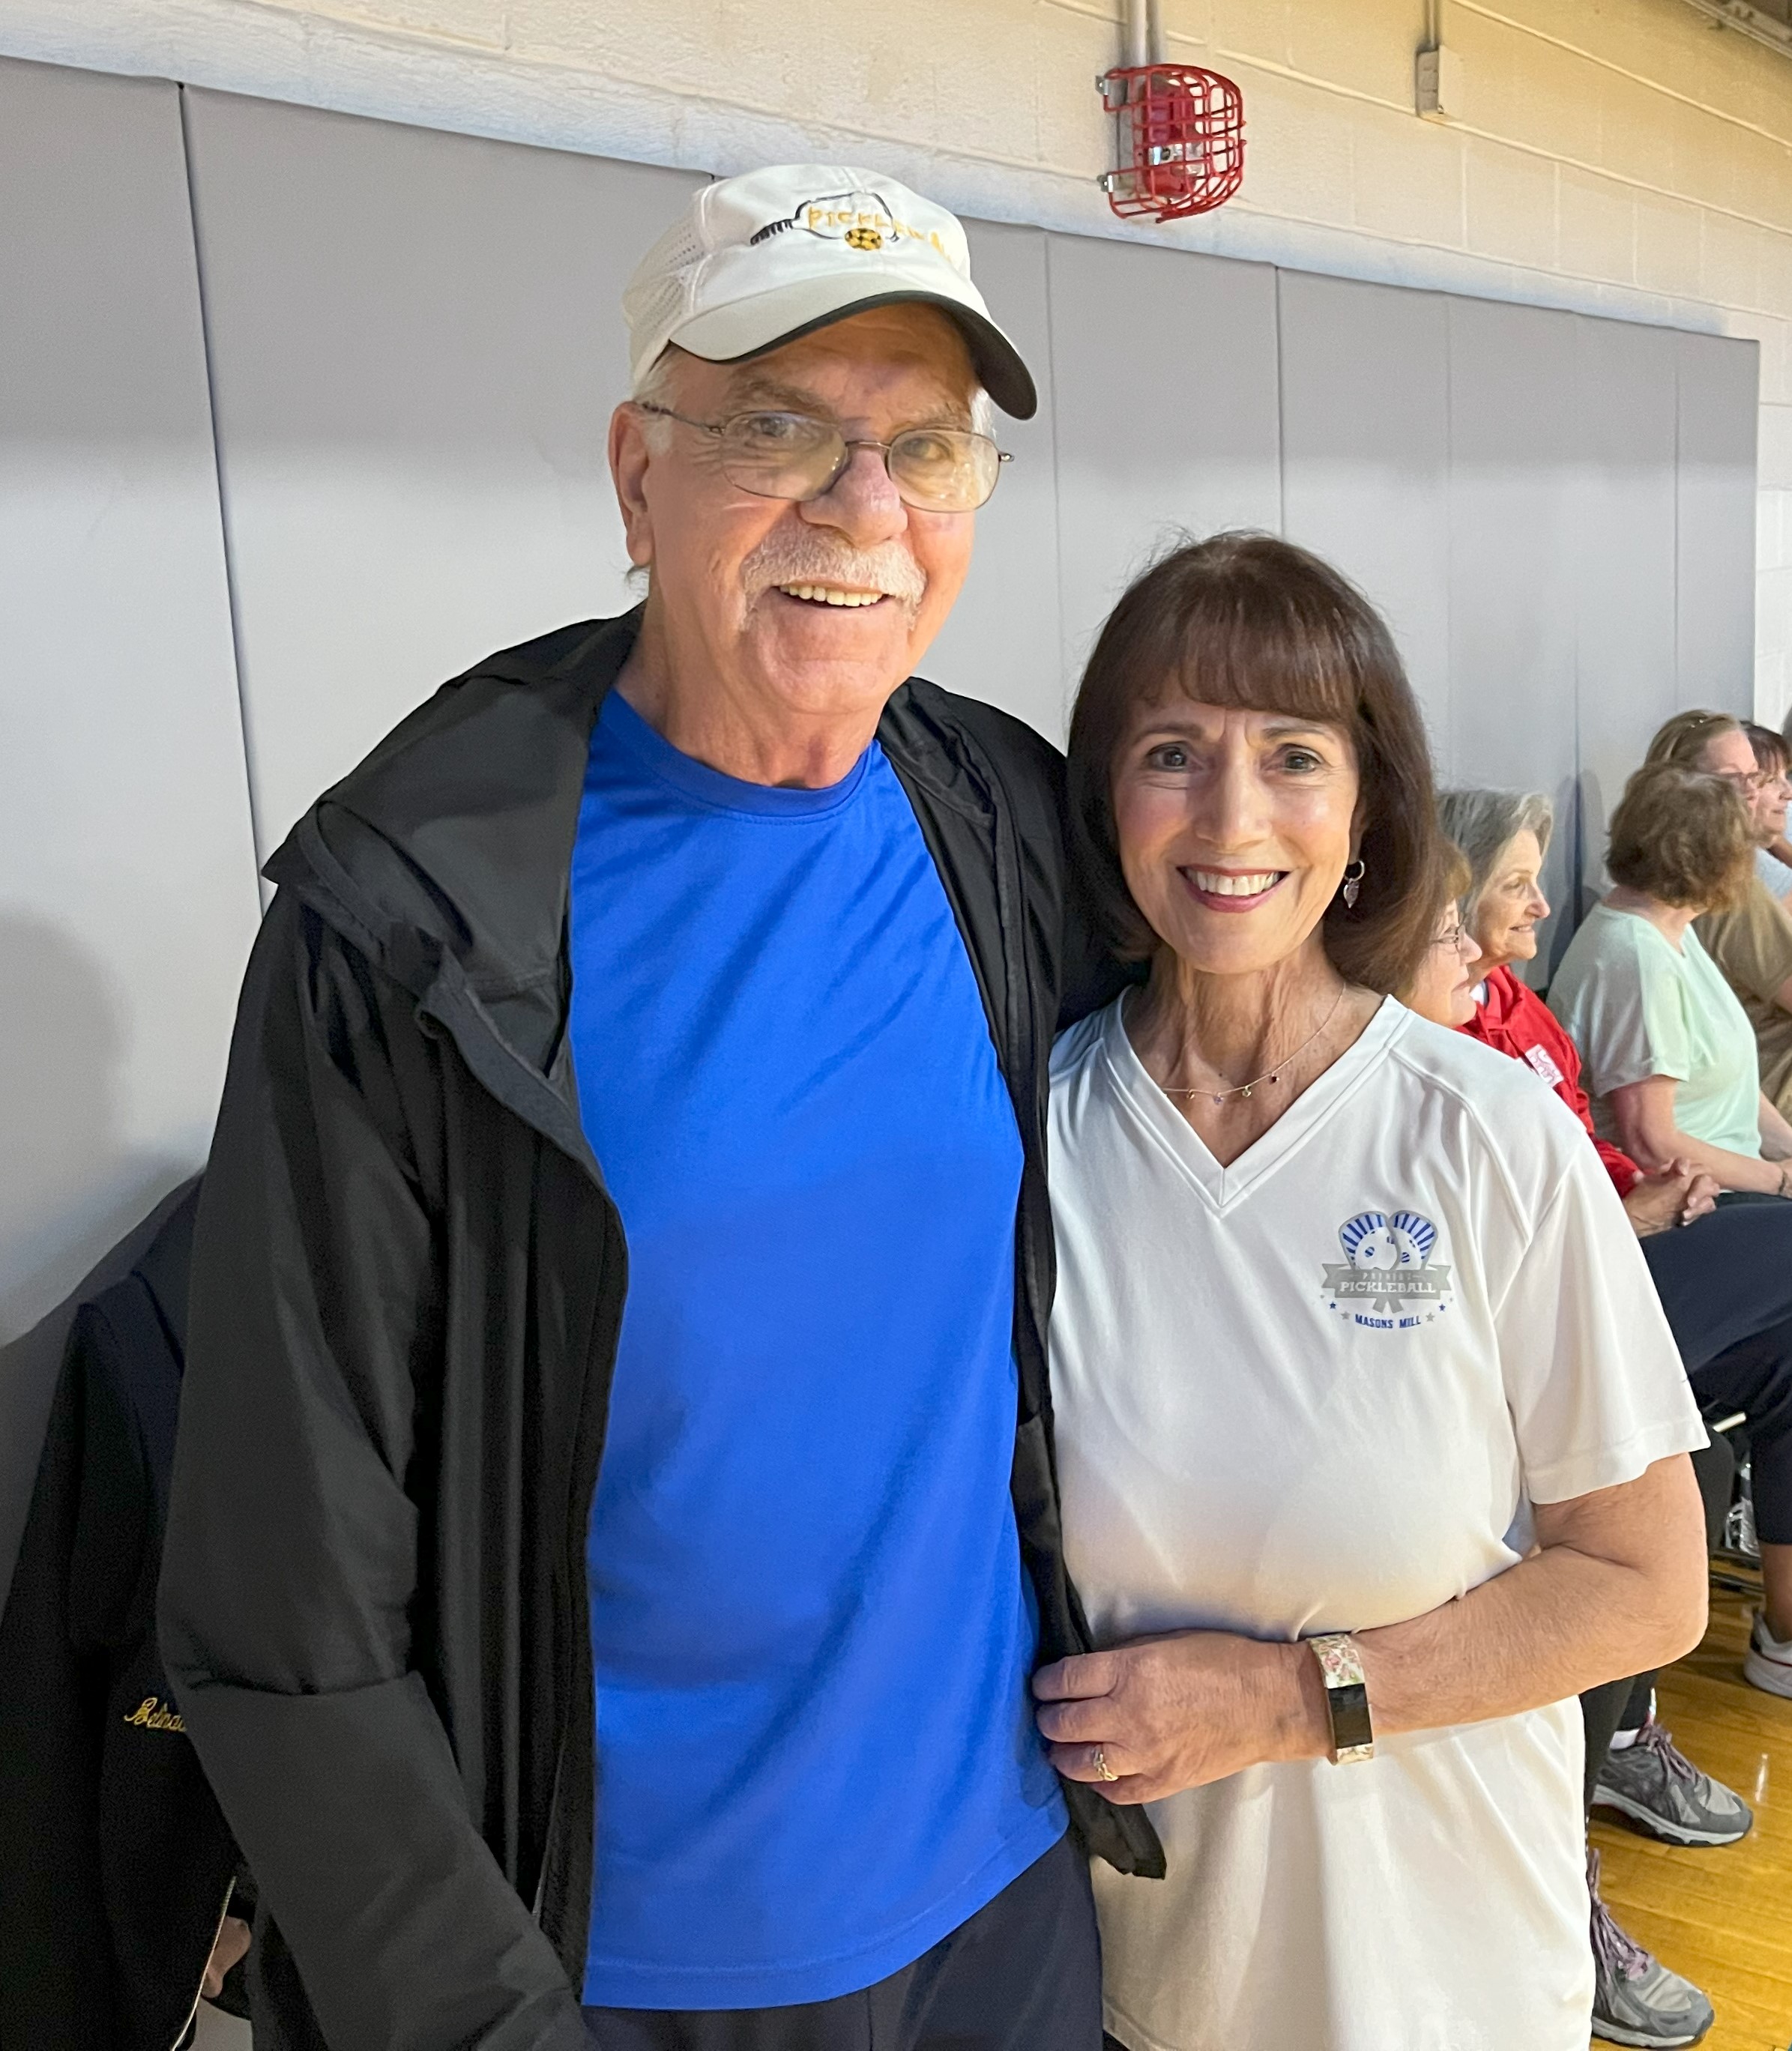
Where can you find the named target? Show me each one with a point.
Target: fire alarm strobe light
(1181, 140)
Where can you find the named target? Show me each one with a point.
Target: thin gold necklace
(1268, 1075)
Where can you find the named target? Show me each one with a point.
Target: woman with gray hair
(1725, 1282)
(1504, 836)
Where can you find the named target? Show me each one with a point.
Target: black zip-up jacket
(114, 1864)
(408, 1279)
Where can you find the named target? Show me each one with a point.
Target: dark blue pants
(1726, 1284)
(1024, 1974)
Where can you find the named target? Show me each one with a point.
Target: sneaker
(1769, 1664)
(1636, 2000)
(1654, 1784)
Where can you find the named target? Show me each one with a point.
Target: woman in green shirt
(1670, 1057)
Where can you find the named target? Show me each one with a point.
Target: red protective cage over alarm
(1181, 140)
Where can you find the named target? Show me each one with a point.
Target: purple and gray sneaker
(1636, 1999)
(1653, 1784)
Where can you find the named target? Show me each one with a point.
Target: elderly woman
(1503, 835)
(1371, 1435)
(1669, 1054)
(1750, 937)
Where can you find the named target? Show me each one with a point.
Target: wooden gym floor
(1722, 1916)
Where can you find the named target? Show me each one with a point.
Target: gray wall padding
(414, 346)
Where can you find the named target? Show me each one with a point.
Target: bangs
(1258, 649)
(1235, 622)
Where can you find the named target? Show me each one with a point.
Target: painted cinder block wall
(1620, 156)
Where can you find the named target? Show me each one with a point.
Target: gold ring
(1103, 1771)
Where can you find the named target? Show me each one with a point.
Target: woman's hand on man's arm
(1181, 1710)
(1617, 1586)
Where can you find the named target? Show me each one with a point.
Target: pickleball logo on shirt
(1387, 1281)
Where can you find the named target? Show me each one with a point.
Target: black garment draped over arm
(114, 1862)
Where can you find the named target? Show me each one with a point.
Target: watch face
(1352, 1731)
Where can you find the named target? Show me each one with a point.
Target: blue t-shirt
(812, 1632)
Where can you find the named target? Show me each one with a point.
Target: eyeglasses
(791, 455)
(1458, 937)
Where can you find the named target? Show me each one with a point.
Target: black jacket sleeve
(292, 1559)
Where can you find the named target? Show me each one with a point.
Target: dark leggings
(1725, 1282)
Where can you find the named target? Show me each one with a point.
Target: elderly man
(615, 1521)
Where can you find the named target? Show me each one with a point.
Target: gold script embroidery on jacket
(150, 1713)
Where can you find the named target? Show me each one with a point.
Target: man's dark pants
(1024, 1974)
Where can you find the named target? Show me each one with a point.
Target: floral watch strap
(1347, 1696)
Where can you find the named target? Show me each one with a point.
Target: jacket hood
(445, 853)
(444, 858)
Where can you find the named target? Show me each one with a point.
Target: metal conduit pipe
(1136, 33)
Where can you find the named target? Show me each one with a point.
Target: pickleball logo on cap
(1388, 1280)
(864, 221)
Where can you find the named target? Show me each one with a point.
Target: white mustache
(810, 556)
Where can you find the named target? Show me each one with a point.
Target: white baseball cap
(757, 261)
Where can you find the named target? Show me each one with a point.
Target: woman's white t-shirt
(1315, 1391)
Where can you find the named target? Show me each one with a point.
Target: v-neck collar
(1223, 1187)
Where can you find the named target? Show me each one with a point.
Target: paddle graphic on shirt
(1387, 1281)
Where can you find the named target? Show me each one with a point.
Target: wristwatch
(1347, 1696)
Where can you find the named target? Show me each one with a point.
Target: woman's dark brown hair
(1249, 620)
(1771, 757)
(1454, 875)
(1682, 837)
(1458, 874)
